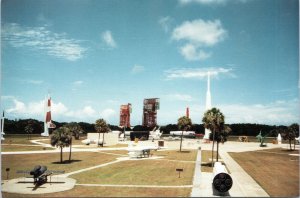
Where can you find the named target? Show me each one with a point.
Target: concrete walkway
(243, 184)
(26, 186)
(197, 176)
(90, 168)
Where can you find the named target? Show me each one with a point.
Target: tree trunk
(290, 141)
(217, 151)
(294, 144)
(181, 140)
(98, 139)
(77, 136)
(212, 152)
(70, 150)
(103, 140)
(61, 156)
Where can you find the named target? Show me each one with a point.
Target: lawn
(51, 160)
(11, 148)
(185, 155)
(74, 142)
(146, 172)
(84, 191)
(206, 163)
(274, 169)
(20, 139)
(254, 139)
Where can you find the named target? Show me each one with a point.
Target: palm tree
(75, 130)
(290, 134)
(101, 127)
(184, 123)
(29, 128)
(61, 138)
(214, 121)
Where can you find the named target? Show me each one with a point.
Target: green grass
(51, 160)
(84, 191)
(206, 163)
(20, 139)
(138, 172)
(185, 155)
(254, 139)
(12, 148)
(274, 169)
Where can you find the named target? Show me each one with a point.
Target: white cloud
(137, 69)
(36, 82)
(273, 113)
(197, 73)
(200, 32)
(107, 114)
(279, 112)
(76, 85)
(165, 23)
(87, 111)
(108, 39)
(41, 39)
(206, 2)
(209, 2)
(179, 97)
(18, 107)
(79, 82)
(190, 52)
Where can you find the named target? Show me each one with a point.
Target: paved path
(243, 184)
(197, 176)
(90, 168)
(26, 186)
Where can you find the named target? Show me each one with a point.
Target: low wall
(109, 138)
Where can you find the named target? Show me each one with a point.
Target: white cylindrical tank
(222, 181)
(279, 139)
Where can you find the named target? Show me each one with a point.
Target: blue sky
(94, 55)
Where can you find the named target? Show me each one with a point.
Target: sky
(92, 56)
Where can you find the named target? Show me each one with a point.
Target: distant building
(151, 105)
(125, 111)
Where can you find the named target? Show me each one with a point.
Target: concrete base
(25, 185)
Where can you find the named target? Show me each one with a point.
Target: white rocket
(2, 126)
(207, 105)
(47, 122)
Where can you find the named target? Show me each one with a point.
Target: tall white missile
(47, 122)
(207, 105)
(2, 126)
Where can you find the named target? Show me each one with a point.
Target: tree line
(245, 129)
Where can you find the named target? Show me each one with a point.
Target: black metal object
(139, 134)
(39, 174)
(7, 172)
(179, 170)
(222, 182)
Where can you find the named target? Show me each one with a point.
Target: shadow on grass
(183, 151)
(206, 164)
(67, 162)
